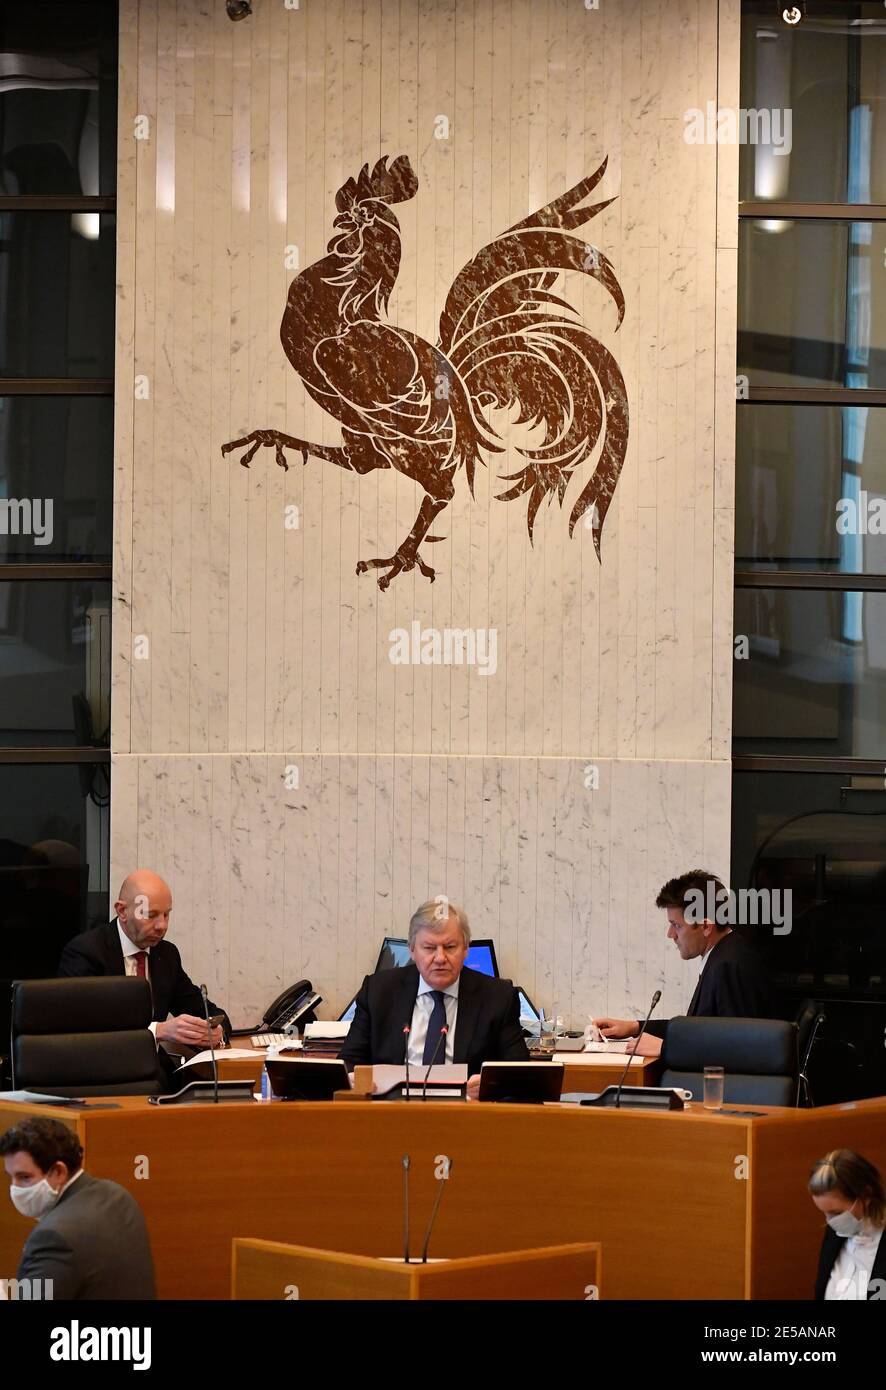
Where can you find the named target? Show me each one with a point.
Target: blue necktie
(437, 1022)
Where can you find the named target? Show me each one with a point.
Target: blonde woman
(848, 1191)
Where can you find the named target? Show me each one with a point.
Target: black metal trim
(64, 569)
(55, 755)
(57, 386)
(57, 202)
(796, 212)
(764, 762)
(812, 395)
(810, 579)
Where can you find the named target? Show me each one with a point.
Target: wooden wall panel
(267, 652)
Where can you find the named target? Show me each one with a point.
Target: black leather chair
(758, 1055)
(84, 1037)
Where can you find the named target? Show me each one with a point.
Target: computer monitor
(481, 955)
(528, 1011)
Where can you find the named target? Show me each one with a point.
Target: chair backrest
(758, 1056)
(84, 1037)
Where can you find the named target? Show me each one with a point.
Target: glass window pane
(810, 488)
(822, 836)
(53, 865)
(829, 71)
(811, 304)
(57, 294)
(56, 478)
(811, 679)
(58, 96)
(54, 663)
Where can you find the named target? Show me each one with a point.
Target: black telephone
(295, 1005)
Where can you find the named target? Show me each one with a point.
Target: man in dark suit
(436, 1007)
(90, 1241)
(134, 944)
(733, 982)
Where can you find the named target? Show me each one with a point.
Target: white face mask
(35, 1200)
(845, 1224)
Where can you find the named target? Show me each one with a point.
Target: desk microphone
(655, 998)
(424, 1090)
(405, 1161)
(205, 998)
(406, 1031)
(441, 1183)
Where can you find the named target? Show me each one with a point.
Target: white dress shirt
(421, 1017)
(709, 952)
(130, 965)
(851, 1273)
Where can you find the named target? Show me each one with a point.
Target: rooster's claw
(403, 560)
(273, 439)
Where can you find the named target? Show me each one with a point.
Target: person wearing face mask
(848, 1190)
(90, 1240)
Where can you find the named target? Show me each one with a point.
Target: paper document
(33, 1098)
(601, 1059)
(326, 1030)
(385, 1078)
(226, 1054)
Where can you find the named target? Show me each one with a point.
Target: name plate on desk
(639, 1098)
(529, 1083)
(201, 1092)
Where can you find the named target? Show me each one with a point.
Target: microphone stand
(802, 1079)
(424, 1090)
(441, 1183)
(405, 1162)
(406, 1031)
(205, 997)
(655, 998)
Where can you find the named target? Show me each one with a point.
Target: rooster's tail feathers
(585, 383)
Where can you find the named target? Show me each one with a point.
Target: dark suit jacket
(98, 952)
(93, 1244)
(487, 1025)
(734, 985)
(830, 1248)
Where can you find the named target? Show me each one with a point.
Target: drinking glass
(714, 1079)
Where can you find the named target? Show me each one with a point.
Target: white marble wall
(265, 649)
(271, 884)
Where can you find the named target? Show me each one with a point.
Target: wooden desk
(685, 1205)
(587, 1072)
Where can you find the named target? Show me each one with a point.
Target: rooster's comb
(392, 185)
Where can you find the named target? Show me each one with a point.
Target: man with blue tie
(436, 1007)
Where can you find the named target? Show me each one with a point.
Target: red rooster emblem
(505, 339)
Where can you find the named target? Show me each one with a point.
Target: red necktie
(140, 958)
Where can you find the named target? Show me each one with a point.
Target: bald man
(134, 944)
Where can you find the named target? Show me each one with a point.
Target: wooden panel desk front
(685, 1205)
(270, 1269)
